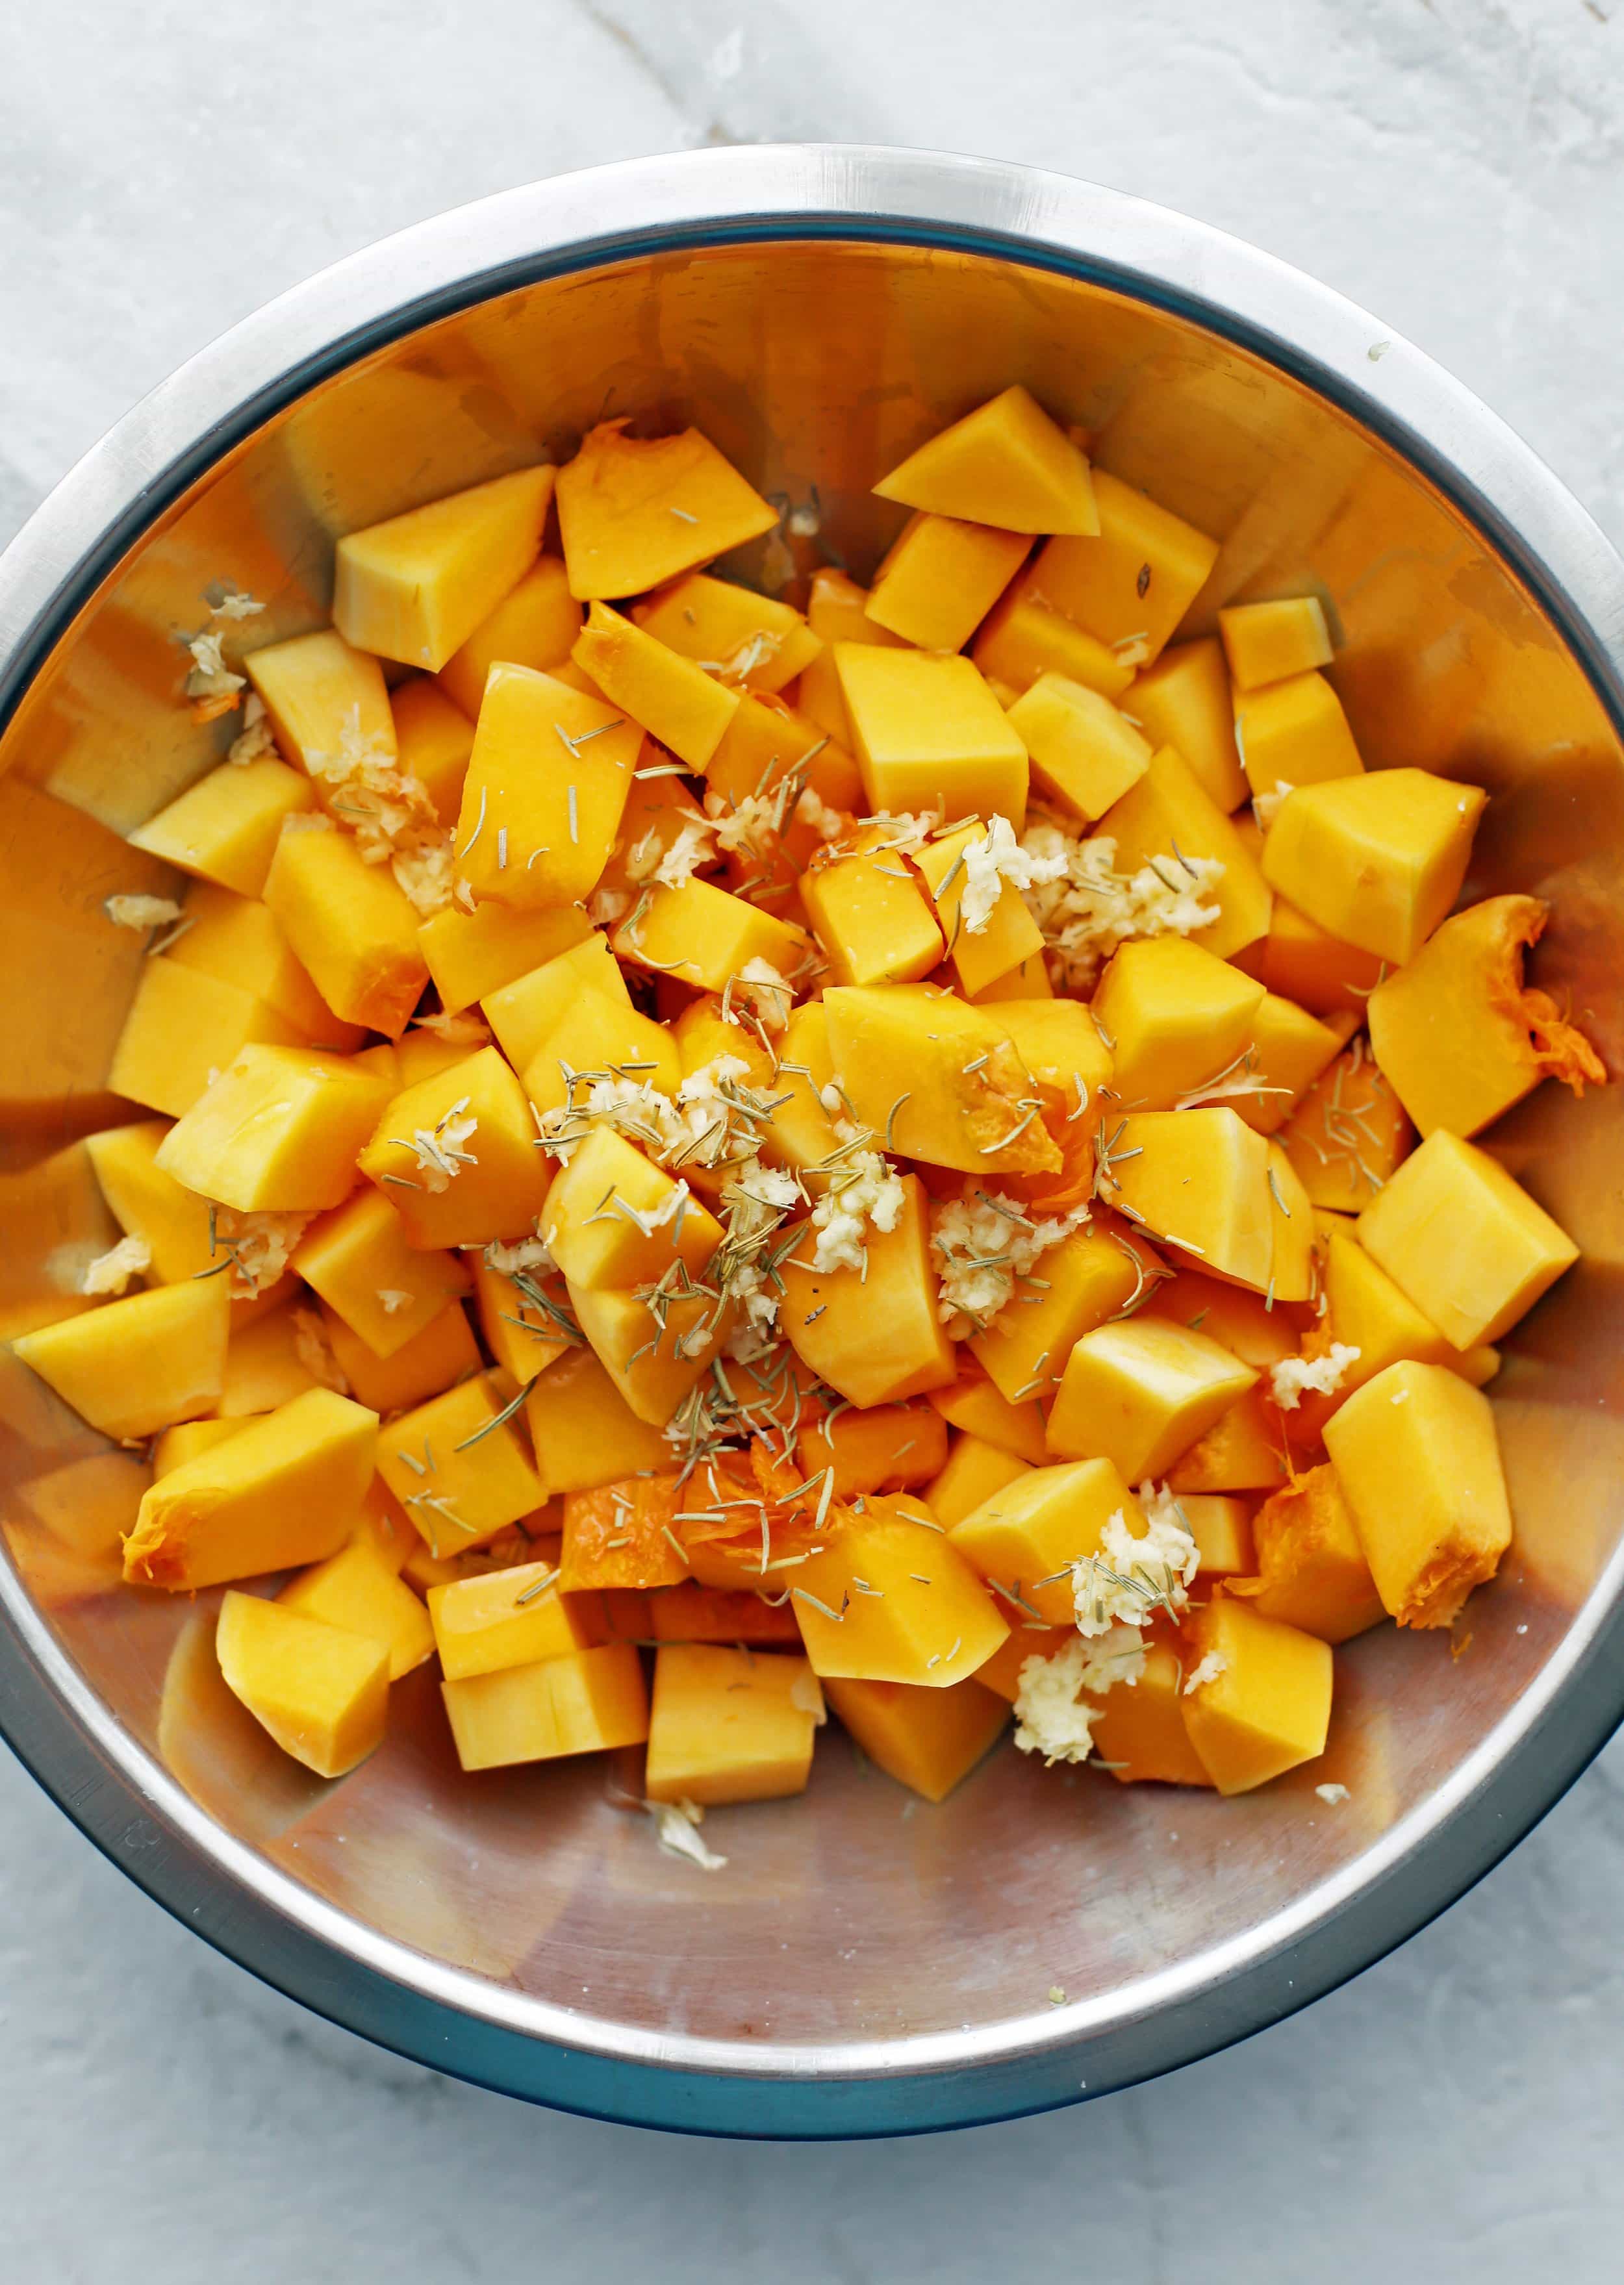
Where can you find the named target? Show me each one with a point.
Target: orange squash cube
(1312, 1571)
(588, 1702)
(1267, 1708)
(730, 1725)
(929, 1741)
(633, 512)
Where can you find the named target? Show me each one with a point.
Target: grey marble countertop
(1453, 164)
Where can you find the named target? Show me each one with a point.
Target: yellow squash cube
(1312, 1571)
(1197, 1180)
(1300, 960)
(1348, 1134)
(523, 1336)
(1130, 589)
(1139, 1734)
(1365, 1311)
(358, 1261)
(415, 588)
(240, 940)
(1084, 753)
(767, 741)
(1458, 1035)
(1006, 464)
(1269, 1706)
(936, 1080)
(1220, 1525)
(1184, 701)
(928, 1739)
(835, 613)
(929, 732)
(171, 1221)
(320, 1692)
(1294, 733)
(182, 1028)
(471, 955)
(614, 1218)
(668, 696)
(750, 640)
(1167, 817)
(348, 924)
(921, 1615)
(288, 1489)
(225, 828)
(547, 784)
(589, 1702)
(1024, 639)
(535, 624)
(1088, 1278)
(800, 1133)
(361, 1590)
(1175, 1018)
(458, 1156)
(433, 739)
(1242, 1452)
(876, 1338)
(1025, 1538)
(270, 1362)
(1464, 1240)
(1418, 1463)
(1266, 642)
(505, 1618)
(597, 1037)
(730, 1725)
(136, 1365)
(460, 1467)
(1059, 1042)
(871, 916)
(444, 1351)
(324, 700)
(583, 1432)
(1288, 1051)
(983, 1414)
(186, 1440)
(990, 945)
(634, 512)
(278, 1132)
(972, 1473)
(1141, 1392)
(940, 577)
(1292, 1263)
(1377, 858)
(705, 937)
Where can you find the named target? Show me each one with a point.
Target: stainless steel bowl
(865, 1964)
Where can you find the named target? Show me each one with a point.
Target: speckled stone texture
(1455, 165)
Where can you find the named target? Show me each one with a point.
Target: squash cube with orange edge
(1379, 858)
(1267, 642)
(1242, 1452)
(1311, 1568)
(1088, 1277)
(619, 1534)
(887, 1449)
(359, 1589)
(433, 740)
(1023, 640)
(458, 1467)
(972, 1473)
(1139, 1734)
(1001, 1673)
(183, 1027)
(1197, 1180)
(1349, 1133)
(226, 827)
(1294, 733)
(1266, 1707)
(657, 690)
(613, 1217)
(1288, 1050)
(1026, 1537)
(979, 1409)
(1166, 817)
(940, 577)
(705, 937)
(990, 945)
(1176, 1019)
(1084, 753)
(278, 1132)
(586, 1702)
(469, 955)
(522, 1336)
(730, 1725)
(929, 732)
(414, 587)
(546, 788)
(326, 702)
(888, 1599)
(240, 940)
(871, 914)
(137, 1364)
(348, 924)
(321, 1692)
(655, 1359)
(935, 1079)
(875, 1336)
(457, 1156)
(753, 641)
(523, 1014)
(929, 1741)
(635, 512)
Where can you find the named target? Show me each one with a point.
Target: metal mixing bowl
(865, 1964)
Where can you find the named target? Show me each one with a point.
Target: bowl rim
(125, 1802)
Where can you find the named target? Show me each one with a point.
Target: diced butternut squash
(359, 1590)
(460, 1467)
(1267, 1708)
(1139, 1733)
(1294, 733)
(1001, 1673)
(385, 1526)
(588, 1702)
(1302, 961)
(321, 1692)
(535, 624)
(583, 1432)
(1312, 1571)
(614, 1218)
(1378, 858)
(358, 1261)
(1464, 1240)
(545, 788)
(1241, 1320)
(286, 1490)
(1197, 1180)
(348, 924)
(458, 1156)
(324, 700)
(634, 512)
(506, 1618)
(690, 1613)
(730, 1725)
(1348, 1134)
(935, 1079)
(976, 1406)
(751, 641)
(982, 945)
(872, 915)
(971, 1473)
(941, 577)
(618, 1536)
(472, 954)
(182, 1027)
(890, 1448)
(1084, 753)
(921, 1615)
(1292, 1264)
(1417, 1461)
(1131, 588)
(149, 1204)
(1289, 1049)
(1176, 1019)
(444, 1351)
(928, 732)
(1266, 642)
(1141, 1392)
(433, 739)
(523, 1336)
(136, 1365)
(1459, 1036)
(226, 827)
(1088, 1278)
(278, 1132)
(594, 1037)
(1007, 464)
(1167, 817)
(1059, 1042)
(1184, 701)
(668, 696)
(240, 940)
(929, 1741)
(654, 1364)
(1023, 639)
(1025, 1538)
(705, 937)
(1242, 1452)
(835, 613)
(269, 1363)
(186, 1440)
(1220, 1525)
(415, 588)
(874, 1334)
(766, 742)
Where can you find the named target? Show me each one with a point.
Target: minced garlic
(1266, 807)
(136, 912)
(768, 995)
(981, 1246)
(1050, 1717)
(811, 809)
(995, 858)
(1087, 908)
(1330, 1795)
(1323, 1375)
(1206, 1669)
(210, 678)
(862, 1189)
(441, 1156)
(694, 847)
(465, 1030)
(255, 741)
(259, 1246)
(111, 1272)
(315, 1353)
(677, 1831)
(1130, 1575)
(527, 1255)
(392, 1301)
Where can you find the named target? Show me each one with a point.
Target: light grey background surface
(1457, 165)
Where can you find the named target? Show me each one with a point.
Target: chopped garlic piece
(981, 1246)
(315, 1352)
(259, 1246)
(392, 1301)
(997, 858)
(210, 675)
(1087, 910)
(675, 1829)
(1205, 1669)
(254, 743)
(391, 814)
(1323, 1375)
(746, 827)
(133, 912)
(422, 873)
(235, 604)
(111, 1272)
(768, 995)
(466, 1029)
(1050, 1719)
(1330, 1795)
(1266, 807)
(1130, 1575)
(440, 1155)
(811, 809)
(863, 1189)
(606, 907)
(694, 845)
(524, 1255)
